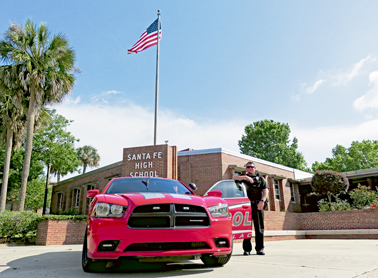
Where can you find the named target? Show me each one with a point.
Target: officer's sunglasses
(250, 167)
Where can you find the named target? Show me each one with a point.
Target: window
(277, 189)
(230, 189)
(60, 201)
(292, 193)
(76, 197)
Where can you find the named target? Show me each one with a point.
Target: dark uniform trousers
(258, 223)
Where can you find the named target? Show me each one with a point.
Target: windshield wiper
(145, 182)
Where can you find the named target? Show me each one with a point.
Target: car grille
(166, 246)
(168, 216)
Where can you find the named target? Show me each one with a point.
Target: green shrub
(363, 197)
(17, 223)
(329, 183)
(326, 182)
(62, 217)
(71, 211)
(339, 204)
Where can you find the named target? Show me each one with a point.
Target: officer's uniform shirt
(254, 190)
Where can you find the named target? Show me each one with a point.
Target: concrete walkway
(290, 258)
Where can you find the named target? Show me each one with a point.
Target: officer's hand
(260, 205)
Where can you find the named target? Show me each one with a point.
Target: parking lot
(290, 258)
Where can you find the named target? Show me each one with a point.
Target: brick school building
(202, 167)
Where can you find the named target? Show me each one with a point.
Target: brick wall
(275, 220)
(59, 232)
(339, 220)
(55, 232)
(335, 220)
(204, 170)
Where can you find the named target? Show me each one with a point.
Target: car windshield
(152, 185)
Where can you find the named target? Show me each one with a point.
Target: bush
(338, 205)
(71, 211)
(20, 223)
(360, 198)
(329, 183)
(364, 197)
(62, 217)
(17, 223)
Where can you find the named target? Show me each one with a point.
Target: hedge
(21, 223)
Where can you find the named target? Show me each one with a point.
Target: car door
(234, 192)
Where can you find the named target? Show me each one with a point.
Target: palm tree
(88, 156)
(13, 122)
(45, 70)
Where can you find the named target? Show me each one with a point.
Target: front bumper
(172, 241)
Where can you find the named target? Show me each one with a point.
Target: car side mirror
(215, 193)
(92, 193)
(193, 186)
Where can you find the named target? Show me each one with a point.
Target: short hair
(250, 162)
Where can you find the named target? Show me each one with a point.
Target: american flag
(147, 39)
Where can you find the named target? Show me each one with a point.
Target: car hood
(139, 199)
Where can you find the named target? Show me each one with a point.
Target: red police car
(234, 192)
(158, 219)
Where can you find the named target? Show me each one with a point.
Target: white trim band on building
(319, 232)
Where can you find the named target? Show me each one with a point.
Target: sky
(223, 65)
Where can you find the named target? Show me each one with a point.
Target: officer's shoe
(260, 253)
(246, 253)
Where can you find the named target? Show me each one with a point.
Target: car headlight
(108, 210)
(220, 210)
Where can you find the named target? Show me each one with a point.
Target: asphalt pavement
(288, 258)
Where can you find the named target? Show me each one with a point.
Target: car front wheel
(87, 263)
(210, 260)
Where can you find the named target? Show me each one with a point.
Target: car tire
(87, 263)
(210, 260)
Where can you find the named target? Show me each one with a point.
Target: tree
(13, 122)
(360, 155)
(326, 182)
(15, 174)
(45, 69)
(269, 140)
(56, 148)
(88, 156)
(35, 193)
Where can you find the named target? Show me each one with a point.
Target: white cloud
(337, 79)
(314, 87)
(111, 128)
(316, 143)
(345, 77)
(70, 101)
(370, 98)
(114, 92)
(295, 97)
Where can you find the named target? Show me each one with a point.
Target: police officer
(257, 191)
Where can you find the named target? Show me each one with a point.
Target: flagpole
(157, 78)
